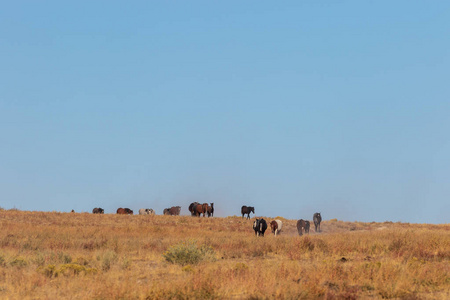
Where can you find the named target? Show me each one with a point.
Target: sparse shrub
(48, 271)
(306, 244)
(2, 261)
(107, 259)
(126, 263)
(29, 245)
(189, 253)
(81, 261)
(321, 245)
(19, 262)
(64, 258)
(66, 270)
(40, 259)
(188, 269)
(75, 269)
(240, 268)
(257, 252)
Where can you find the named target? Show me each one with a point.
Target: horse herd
(197, 209)
(260, 225)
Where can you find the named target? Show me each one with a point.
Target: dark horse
(259, 226)
(192, 207)
(97, 210)
(247, 210)
(301, 224)
(307, 225)
(317, 218)
(210, 210)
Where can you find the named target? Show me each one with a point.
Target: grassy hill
(50, 255)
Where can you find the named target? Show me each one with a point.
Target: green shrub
(48, 271)
(188, 253)
(66, 270)
(64, 258)
(75, 269)
(18, 262)
(188, 269)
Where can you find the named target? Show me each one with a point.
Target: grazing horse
(192, 207)
(301, 224)
(172, 211)
(124, 211)
(175, 210)
(210, 210)
(307, 225)
(146, 211)
(247, 210)
(276, 226)
(98, 210)
(317, 218)
(259, 226)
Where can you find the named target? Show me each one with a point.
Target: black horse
(247, 210)
(98, 210)
(301, 225)
(259, 226)
(317, 218)
(307, 225)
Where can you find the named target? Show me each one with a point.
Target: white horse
(276, 226)
(146, 211)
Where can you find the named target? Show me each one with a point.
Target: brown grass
(86, 256)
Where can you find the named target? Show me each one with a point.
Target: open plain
(51, 255)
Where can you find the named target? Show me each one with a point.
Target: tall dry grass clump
(85, 256)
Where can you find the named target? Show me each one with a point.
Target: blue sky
(340, 107)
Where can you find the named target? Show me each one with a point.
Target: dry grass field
(50, 255)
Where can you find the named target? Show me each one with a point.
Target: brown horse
(124, 211)
(175, 210)
(172, 211)
(201, 209)
(301, 224)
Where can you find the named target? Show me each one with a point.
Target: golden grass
(86, 256)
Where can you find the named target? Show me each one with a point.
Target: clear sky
(339, 107)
